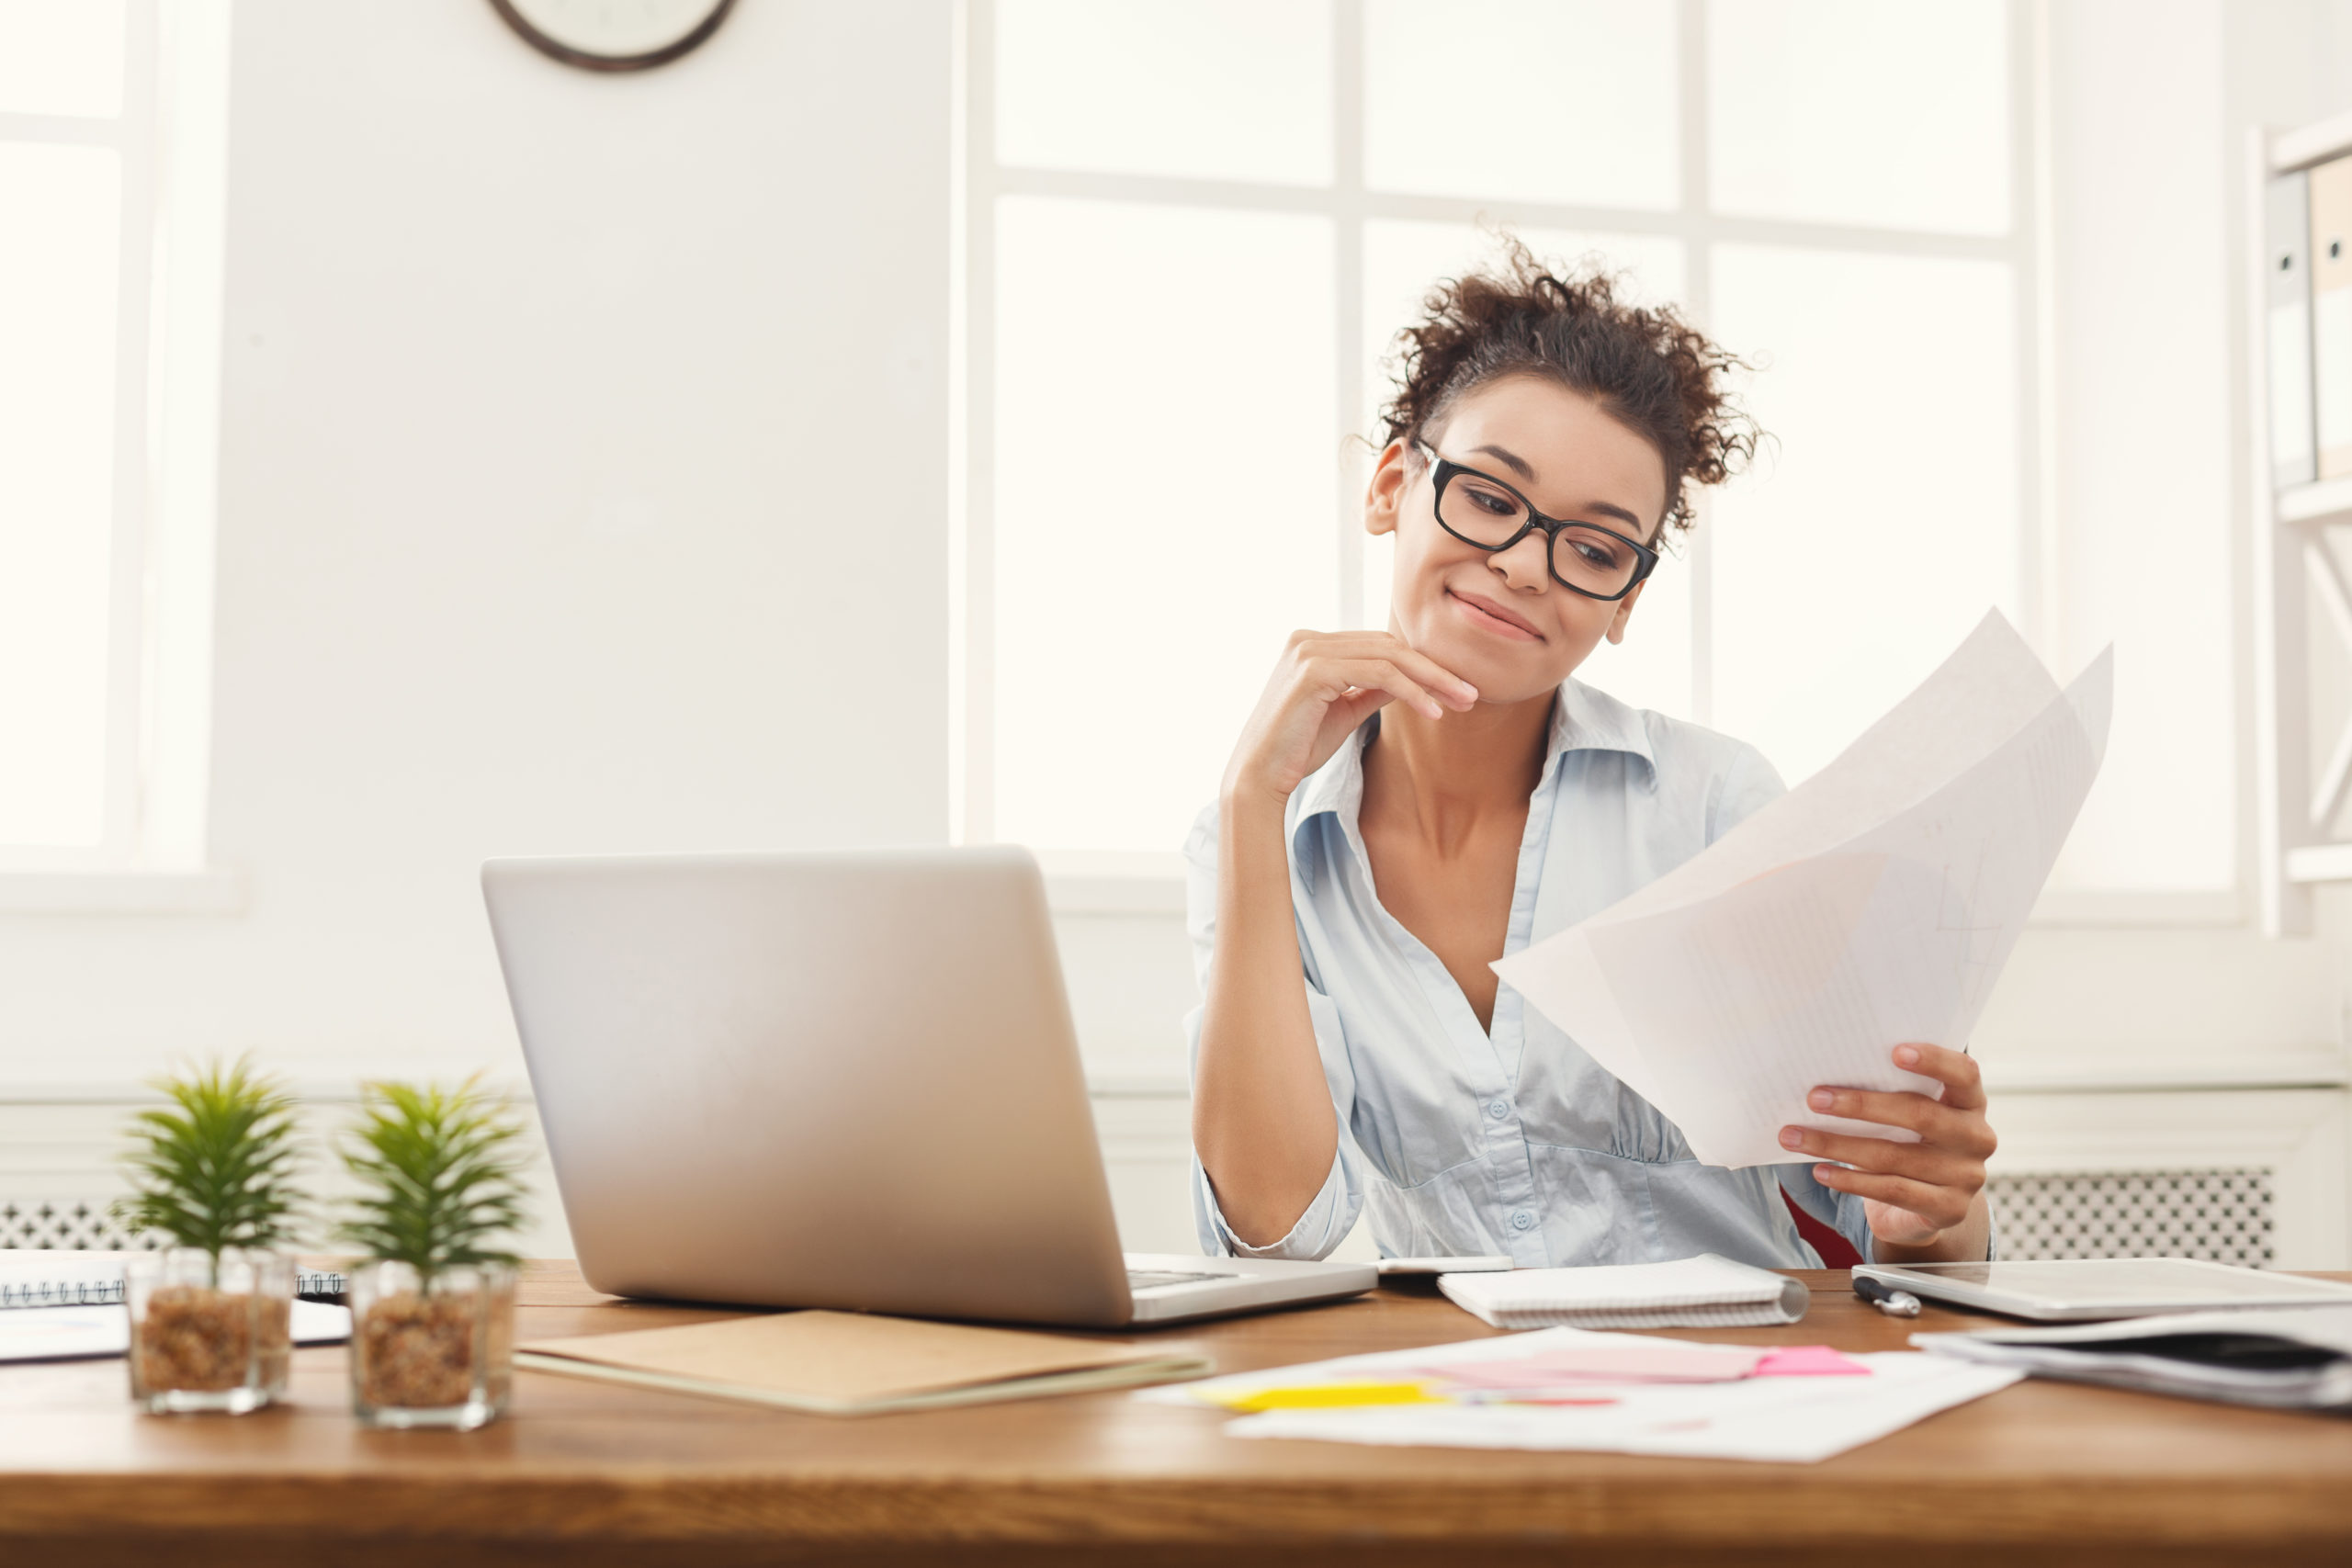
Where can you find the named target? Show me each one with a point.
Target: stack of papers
(1570, 1388)
(837, 1363)
(2284, 1358)
(1873, 905)
(1705, 1292)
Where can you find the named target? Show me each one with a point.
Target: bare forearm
(1261, 1109)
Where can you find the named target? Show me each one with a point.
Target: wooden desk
(588, 1474)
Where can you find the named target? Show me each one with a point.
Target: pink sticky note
(1809, 1361)
(1661, 1362)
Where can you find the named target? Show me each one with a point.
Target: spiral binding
(310, 1284)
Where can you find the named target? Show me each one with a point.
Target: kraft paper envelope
(847, 1363)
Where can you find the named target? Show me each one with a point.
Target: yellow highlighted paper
(1329, 1396)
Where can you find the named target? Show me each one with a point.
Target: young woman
(1405, 807)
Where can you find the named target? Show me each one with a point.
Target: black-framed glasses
(1486, 513)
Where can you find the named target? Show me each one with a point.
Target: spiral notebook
(37, 1277)
(1705, 1292)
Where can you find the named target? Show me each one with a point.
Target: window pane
(1858, 111)
(1402, 261)
(1165, 502)
(1883, 522)
(57, 348)
(2145, 236)
(1209, 89)
(1568, 101)
(62, 57)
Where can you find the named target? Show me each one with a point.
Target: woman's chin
(1503, 673)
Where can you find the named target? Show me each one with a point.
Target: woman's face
(1499, 619)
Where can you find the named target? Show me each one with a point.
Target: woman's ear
(1384, 500)
(1624, 611)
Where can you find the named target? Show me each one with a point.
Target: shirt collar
(1583, 719)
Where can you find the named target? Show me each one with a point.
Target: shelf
(2300, 149)
(2316, 502)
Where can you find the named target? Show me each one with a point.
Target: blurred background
(921, 421)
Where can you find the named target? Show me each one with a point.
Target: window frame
(1109, 881)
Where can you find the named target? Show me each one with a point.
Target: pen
(1888, 1300)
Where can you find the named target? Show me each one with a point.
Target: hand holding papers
(1872, 905)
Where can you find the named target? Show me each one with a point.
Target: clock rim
(563, 53)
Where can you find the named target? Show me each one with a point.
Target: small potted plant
(212, 1314)
(433, 1311)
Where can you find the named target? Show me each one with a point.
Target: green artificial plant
(442, 1173)
(215, 1168)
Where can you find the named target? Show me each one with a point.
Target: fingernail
(1906, 1056)
(1791, 1138)
(1470, 691)
(1821, 1099)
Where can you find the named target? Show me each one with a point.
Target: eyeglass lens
(1484, 513)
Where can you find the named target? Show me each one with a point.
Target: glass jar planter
(431, 1352)
(210, 1333)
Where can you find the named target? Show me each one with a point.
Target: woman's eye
(1596, 554)
(1493, 504)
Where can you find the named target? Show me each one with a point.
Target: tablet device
(2087, 1290)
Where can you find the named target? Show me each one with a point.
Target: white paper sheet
(1789, 1420)
(1874, 904)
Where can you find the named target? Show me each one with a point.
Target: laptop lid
(827, 1080)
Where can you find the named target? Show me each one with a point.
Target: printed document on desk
(1573, 1389)
(1872, 905)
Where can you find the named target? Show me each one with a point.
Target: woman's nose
(1526, 564)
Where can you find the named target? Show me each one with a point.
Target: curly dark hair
(1648, 368)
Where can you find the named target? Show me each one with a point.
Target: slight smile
(1492, 616)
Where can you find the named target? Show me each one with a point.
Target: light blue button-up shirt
(1511, 1140)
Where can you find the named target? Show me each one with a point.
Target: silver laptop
(837, 1080)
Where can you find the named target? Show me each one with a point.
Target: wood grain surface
(590, 1474)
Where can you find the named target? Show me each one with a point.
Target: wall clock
(614, 35)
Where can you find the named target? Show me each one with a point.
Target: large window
(1193, 230)
(111, 117)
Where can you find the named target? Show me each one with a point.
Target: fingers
(1920, 1162)
(1341, 678)
(1941, 1207)
(1307, 645)
(1956, 1070)
(1334, 665)
(1964, 1131)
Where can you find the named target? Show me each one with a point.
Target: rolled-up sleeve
(1333, 1214)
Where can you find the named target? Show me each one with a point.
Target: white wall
(583, 487)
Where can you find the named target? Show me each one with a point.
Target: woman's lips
(1491, 616)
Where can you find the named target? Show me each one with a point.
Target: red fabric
(1835, 1251)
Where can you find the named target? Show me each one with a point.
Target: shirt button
(1499, 1108)
(1521, 1220)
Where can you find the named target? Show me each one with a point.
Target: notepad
(835, 1363)
(1705, 1292)
(97, 1333)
